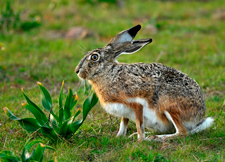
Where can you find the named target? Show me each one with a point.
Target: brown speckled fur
(164, 88)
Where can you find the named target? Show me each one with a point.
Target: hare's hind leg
(123, 127)
(178, 125)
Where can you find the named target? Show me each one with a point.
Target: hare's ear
(135, 46)
(124, 36)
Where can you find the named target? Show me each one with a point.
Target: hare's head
(96, 61)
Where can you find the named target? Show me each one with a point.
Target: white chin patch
(80, 77)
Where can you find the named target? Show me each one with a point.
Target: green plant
(36, 154)
(9, 19)
(53, 126)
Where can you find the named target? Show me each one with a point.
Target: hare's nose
(77, 70)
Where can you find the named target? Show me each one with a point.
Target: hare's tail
(204, 125)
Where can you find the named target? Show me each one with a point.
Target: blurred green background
(43, 40)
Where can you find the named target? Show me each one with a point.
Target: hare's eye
(94, 57)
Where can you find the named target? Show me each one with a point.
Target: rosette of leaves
(54, 126)
(35, 155)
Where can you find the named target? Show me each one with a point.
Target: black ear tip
(137, 27)
(133, 31)
(150, 40)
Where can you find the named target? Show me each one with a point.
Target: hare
(152, 95)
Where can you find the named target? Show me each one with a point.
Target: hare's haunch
(153, 95)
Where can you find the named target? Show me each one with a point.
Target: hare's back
(168, 79)
(172, 85)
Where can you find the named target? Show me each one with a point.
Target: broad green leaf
(45, 103)
(64, 127)
(48, 147)
(86, 107)
(33, 104)
(38, 153)
(73, 101)
(25, 154)
(54, 123)
(75, 125)
(29, 144)
(5, 153)
(94, 100)
(61, 105)
(67, 113)
(49, 132)
(55, 116)
(76, 114)
(39, 115)
(9, 158)
(88, 104)
(29, 124)
(46, 98)
(10, 114)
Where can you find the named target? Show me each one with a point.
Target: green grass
(189, 38)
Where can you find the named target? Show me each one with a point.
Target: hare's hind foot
(178, 125)
(135, 133)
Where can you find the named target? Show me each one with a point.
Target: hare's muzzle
(77, 70)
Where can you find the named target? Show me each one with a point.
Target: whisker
(82, 47)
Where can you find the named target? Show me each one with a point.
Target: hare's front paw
(121, 133)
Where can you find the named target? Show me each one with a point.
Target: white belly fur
(151, 120)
